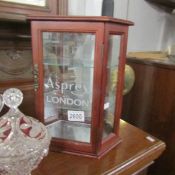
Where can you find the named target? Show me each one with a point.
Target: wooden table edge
(141, 159)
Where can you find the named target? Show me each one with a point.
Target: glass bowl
(24, 141)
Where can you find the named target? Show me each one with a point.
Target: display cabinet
(79, 71)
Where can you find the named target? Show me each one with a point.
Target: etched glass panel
(68, 84)
(111, 87)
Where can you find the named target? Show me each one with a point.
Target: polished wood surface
(150, 105)
(132, 155)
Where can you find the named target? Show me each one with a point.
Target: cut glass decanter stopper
(24, 141)
(1, 102)
(12, 97)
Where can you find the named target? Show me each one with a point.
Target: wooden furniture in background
(131, 157)
(16, 67)
(10, 10)
(16, 62)
(150, 105)
(168, 5)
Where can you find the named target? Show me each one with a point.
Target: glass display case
(79, 71)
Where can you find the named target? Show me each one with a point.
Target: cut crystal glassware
(24, 141)
(1, 102)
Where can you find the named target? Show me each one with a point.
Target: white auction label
(106, 105)
(77, 116)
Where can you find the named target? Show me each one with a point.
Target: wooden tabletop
(136, 151)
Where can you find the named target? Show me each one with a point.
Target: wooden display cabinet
(79, 66)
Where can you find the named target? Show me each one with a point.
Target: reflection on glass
(110, 96)
(68, 81)
(40, 3)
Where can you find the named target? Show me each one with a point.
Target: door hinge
(102, 51)
(35, 73)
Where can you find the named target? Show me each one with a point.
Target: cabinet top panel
(81, 19)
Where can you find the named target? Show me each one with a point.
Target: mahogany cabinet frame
(122, 31)
(102, 27)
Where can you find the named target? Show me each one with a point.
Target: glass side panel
(68, 84)
(112, 72)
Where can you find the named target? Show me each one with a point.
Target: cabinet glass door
(68, 61)
(111, 86)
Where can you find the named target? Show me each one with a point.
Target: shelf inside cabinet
(112, 66)
(70, 131)
(71, 108)
(69, 65)
(68, 62)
